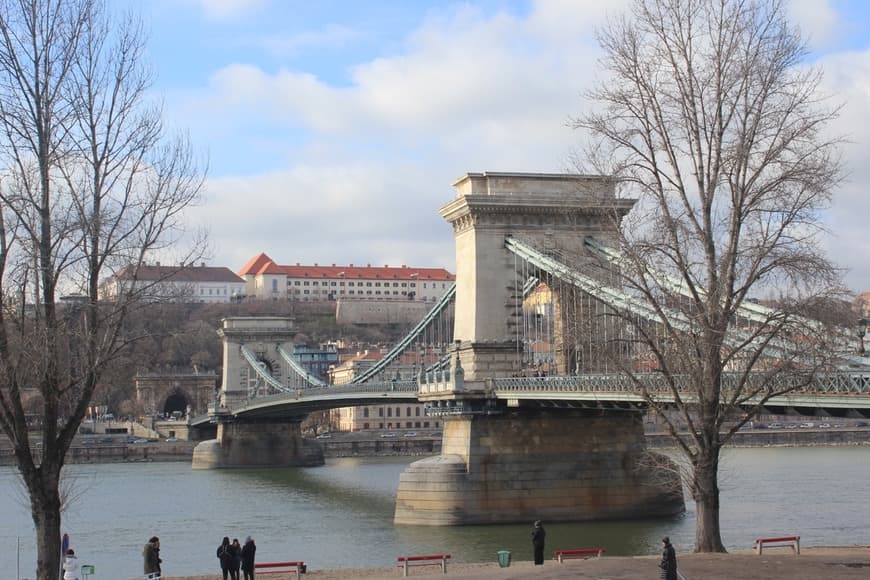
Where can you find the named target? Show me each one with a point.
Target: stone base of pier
(555, 465)
(261, 444)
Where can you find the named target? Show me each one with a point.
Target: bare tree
(89, 186)
(711, 117)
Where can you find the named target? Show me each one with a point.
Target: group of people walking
(235, 557)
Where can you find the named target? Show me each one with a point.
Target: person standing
(248, 552)
(669, 560)
(71, 566)
(224, 554)
(538, 535)
(236, 562)
(151, 553)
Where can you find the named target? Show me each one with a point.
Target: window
(305, 283)
(407, 424)
(395, 284)
(380, 425)
(417, 424)
(315, 283)
(305, 291)
(366, 412)
(365, 425)
(398, 411)
(378, 284)
(296, 283)
(425, 424)
(417, 413)
(381, 414)
(274, 284)
(389, 411)
(408, 412)
(333, 283)
(369, 284)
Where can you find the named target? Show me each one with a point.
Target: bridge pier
(556, 464)
(257, 444)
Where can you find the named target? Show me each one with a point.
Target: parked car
(776, 425)
(410, 434)
(824, 425)
(388, 435)
(324, 436)
(171, 439)
(807, 425)
(140, 441)
(791, 426)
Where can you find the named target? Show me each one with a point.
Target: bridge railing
(371, 388)
(839, 383)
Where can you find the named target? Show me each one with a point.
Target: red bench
(583, 553)
(793, 542)
(280, 568)
(406, 562)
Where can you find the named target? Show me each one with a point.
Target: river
(340, 515)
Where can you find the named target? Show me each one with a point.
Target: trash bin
(504, 558)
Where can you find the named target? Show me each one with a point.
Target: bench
(406, 562)
(793, 542)
(583, 553)
(280, 568)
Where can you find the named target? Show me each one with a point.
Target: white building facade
(265, 279)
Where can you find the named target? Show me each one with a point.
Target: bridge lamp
(861, 331)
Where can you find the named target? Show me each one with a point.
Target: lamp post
(861, 331)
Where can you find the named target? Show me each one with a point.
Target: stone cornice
(530, 211)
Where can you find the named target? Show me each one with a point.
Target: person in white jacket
(71, 566)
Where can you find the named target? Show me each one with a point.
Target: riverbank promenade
(844, 563)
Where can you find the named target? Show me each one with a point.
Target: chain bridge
(535, 362)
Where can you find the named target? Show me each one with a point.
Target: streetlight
(861, 331)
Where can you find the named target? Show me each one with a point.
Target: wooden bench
(280, 568)
(793, 542)
(583, 553)
(406, 562)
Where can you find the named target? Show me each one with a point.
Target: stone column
(257, 444)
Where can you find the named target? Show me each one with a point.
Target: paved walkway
(813, 564)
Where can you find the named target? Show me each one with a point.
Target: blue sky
(335, 128)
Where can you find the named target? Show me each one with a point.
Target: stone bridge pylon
(504, 464)
(249, 341)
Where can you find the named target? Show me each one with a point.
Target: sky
(334, 129)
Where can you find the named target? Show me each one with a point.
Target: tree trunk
(45, 506)
(705, 492)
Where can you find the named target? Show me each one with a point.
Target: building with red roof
(265, 279)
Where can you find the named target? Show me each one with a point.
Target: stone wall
(559, 466)
(380, 311)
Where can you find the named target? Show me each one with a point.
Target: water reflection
(341, 514)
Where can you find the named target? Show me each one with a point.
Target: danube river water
(340, 515)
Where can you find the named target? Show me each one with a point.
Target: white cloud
(817, 19)
(222, 9)
(368, 163)
(331, 36)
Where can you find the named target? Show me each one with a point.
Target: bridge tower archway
(253, 366)
(262, 337)
(550, 211)
(585, 462)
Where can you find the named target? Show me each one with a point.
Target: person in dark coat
(236, 562)
(151, 554)
(225, 555)
(248, 552)
(669, 560)
(538, 535)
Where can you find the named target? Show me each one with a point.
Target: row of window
(390, 411)
(353, 292)
(369, 284)
(408, 425)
